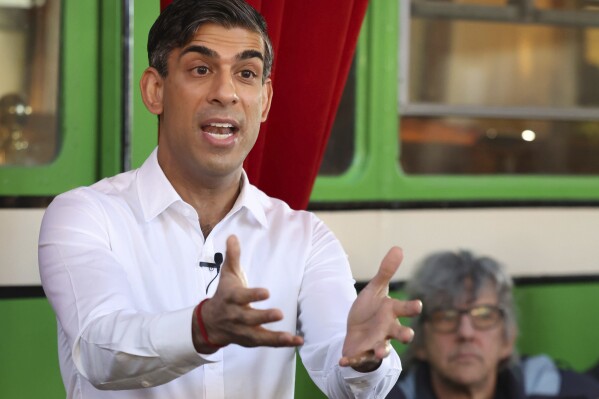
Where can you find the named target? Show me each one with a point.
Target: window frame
(76, 118)
(376, 175)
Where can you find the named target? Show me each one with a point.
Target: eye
(446, 315)
(450, 315)
(485, 312)
(247, 74)
(201, 70)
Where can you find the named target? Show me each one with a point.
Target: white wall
(19, 231)
(529, 242)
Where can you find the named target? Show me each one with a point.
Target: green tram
(462, 125)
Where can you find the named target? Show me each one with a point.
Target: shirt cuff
(349, 373)
(358, 381)
(172, 340)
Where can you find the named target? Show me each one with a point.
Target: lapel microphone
(218, 261)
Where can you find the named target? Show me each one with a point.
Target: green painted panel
(28, 349)
(557, 319)
(305, 388)
(76, 162)
(144, 134)
(375, 174)
(562, 321)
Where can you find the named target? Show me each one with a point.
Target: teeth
(220, 136)
(228, 125)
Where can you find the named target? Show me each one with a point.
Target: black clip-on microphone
(218, 261)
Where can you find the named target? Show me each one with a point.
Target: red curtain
(314, 42)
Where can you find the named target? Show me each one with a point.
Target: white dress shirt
(119, 262)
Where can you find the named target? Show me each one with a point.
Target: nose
(465, 328)
(223, 90)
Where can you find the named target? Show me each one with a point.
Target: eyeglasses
(482, 317)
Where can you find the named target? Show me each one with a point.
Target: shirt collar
(249, 197)
(156, 193)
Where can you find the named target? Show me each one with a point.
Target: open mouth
(220, 130)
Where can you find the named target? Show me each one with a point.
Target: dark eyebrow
(244, 55)
(247, 54)
(199, 49)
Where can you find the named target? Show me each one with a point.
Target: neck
(211, 192)
(212, 205)
(212, 202)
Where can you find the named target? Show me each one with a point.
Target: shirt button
(146, 384)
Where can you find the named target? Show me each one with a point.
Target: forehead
(226, 41)
(461, 294)
(485, 295)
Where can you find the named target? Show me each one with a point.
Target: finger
(407, 308)
(364, 362)
(253, 336)
(257, 317)
(356, 360)
(401, 333)
(382, 349)
(389, 266)
(245, 296)
(286, 339)
(231, 265)
(264, 337)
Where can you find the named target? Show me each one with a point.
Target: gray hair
(445, 278)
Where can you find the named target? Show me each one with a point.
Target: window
(443, 118)
(64, 88)
(499, 87)
(29, 42)
(340, 148)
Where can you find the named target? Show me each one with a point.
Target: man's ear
(266, 98)
(151, 85)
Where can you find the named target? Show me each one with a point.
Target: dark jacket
(534, 378)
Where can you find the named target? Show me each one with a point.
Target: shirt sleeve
(326, 297)
(114, 344)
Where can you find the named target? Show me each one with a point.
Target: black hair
(178, 22)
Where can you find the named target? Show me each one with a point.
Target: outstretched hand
(372, 320)
(228, 316)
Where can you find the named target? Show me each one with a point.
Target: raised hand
(372, 320)
(228, 316)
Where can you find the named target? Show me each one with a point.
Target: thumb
(231, 264)
(389, 266)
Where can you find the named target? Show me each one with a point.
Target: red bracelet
(202, 327)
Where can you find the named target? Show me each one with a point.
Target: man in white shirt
(148, 306)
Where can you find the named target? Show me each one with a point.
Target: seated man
(463, 344)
